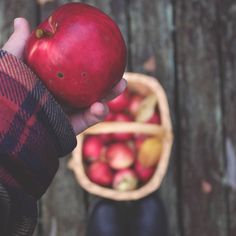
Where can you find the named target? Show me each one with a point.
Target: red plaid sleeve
(34, 131)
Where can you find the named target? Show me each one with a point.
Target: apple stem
(40, 33)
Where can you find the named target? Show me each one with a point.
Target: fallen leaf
(206, 187)
(146, 109)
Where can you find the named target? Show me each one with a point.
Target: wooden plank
(9, 10)
(200, 116)
(227, 10)
(116, 10)
(62, 207)
(46, 7)
(152, 52)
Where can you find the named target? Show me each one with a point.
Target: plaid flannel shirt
(34, 133)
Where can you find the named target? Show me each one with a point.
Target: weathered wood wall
(190, 46)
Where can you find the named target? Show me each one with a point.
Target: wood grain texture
(11, 9)
(63, 211)
(117, 10)
(152, 52)
(227, 31)
(203, 198)
(48, 7)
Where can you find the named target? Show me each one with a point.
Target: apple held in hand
(78, 52)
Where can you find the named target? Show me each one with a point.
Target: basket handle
(130, 127)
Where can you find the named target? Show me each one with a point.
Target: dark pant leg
(105, 219)
(150, 217)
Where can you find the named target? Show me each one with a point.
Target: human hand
(80, 120)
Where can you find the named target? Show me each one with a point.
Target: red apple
(78, 52)
(92, 148)
(154, 119)
(125, 180)
(144, 173)
(119, 155)
(110, 117)
(120, 103)
(135, 104)
(100, 173)
(123, 136)
(105, 138)
(139, 139)
(122, 117)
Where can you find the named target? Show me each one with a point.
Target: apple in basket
(92, 148)
(100, 173)
(150, 152)
(122, 136)
(120, 103)
(125, 180)
(135, 103)
(119, 155)
(154, 119)
(144, 173)
(79, 54)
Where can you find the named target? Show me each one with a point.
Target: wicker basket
(143, 84)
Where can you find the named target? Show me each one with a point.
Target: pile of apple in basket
(131, 147)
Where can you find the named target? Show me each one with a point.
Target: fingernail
(16, 21)
(123, 84)
(100, 109)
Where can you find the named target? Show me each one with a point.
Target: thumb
(16, 43)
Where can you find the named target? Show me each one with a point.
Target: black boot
(144, 217)
(105, 219)
(149, 217)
